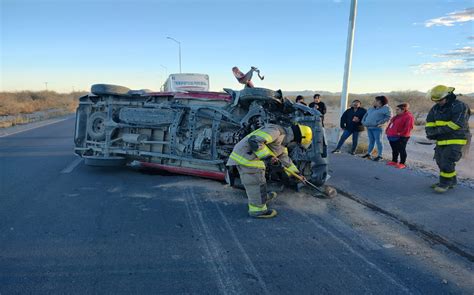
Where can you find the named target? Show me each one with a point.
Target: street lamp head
(173, 39)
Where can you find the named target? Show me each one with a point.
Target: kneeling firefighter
(261, 148)
(448, 124)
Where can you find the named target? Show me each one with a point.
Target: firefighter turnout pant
(255, 185)
(446, 157)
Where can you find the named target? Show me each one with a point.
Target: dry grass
(26, 102)
(12, 122)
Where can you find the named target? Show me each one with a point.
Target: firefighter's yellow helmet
(439, 92)
(306, 135)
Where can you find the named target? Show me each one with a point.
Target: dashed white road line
(71, 166)
(34, 127)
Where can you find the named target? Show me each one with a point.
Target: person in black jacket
(300, 99)
(318, 105)
(351, 124)
(448, 124)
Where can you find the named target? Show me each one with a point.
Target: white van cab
(186, 82)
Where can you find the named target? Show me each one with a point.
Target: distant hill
(309, 93)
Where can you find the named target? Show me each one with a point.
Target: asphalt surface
(69, 228)
(406, 193)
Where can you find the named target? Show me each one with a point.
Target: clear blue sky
(298, 45)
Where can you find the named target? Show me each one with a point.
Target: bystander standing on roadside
(351, 123)
(375, 119)
(300, 100)
(398, 134)
(318, 105)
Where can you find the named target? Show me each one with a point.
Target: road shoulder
(406, 196)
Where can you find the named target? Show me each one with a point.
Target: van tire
(96, 126)
(259, 94)
(109, 89)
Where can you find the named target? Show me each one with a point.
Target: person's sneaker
(352, 153)
(441, 189)
(336, 151)
(270, 213)
(378, 158)
(400, 166)
(366, 156)
(270, 197)
(392, 163)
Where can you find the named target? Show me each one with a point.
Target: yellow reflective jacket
(271, 141)
(448, 124)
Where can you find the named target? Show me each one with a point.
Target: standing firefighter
(448, 124)
(258, 150)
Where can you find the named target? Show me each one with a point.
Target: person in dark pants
(318, 105)
(448, 124)
(300, 99)
(351, 124)
(398, 134)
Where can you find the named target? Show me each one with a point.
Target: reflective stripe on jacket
(271, 141)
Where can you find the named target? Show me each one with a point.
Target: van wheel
(260, 94)
(109, 89)
(96, 126)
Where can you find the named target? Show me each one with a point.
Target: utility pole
(179, 50)
(350, 45)
(46, 85)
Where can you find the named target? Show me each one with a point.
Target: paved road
(69, 228)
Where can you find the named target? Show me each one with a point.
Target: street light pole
(166, 70)
(350, 45)
(179, 49)
(46, 85)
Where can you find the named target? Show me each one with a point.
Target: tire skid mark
(340, 263)
(356, 253)
(250, 267)
(356, 237)
(215, 255)
(69, 168)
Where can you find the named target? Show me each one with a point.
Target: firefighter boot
(441, 188)
(434, 185)
(269, 213)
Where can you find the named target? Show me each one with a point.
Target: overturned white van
(186, 82)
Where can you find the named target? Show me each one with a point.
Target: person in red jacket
(398, 133)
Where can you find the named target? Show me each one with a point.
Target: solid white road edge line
(34, 127)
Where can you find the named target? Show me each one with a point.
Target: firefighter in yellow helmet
(259, 149)
(448, 124)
